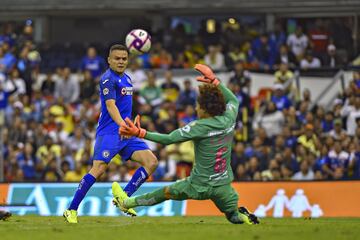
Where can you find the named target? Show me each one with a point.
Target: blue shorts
(107, 146)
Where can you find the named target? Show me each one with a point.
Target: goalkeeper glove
(132, 129)
(208, 74)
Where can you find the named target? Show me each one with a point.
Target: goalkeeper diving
(212, 134)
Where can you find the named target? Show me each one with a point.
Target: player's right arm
(114, 111)
(108, 93)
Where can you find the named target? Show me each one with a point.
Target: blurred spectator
(309, 140)
(15, 78)
(51, 173)
(160, 58)
(234, 56)
(306, 97)
(87, 86)
(283, 74)
(327, 124)
(150, 93)
(319, 37)
(285, 56)
(25, 69)
(166, 170)
(305, 173)
(27, 162)
(169, 88)
(298, 42)
(278, 36)
(309, 61)
(242, 96)
(238, 156)
(77, 141)
(279, 98)
(26, 35)
(180, 61)
(214, 58)
(338, 132)
(136, 74)
(93, 63)
(4, 99)
(75, 175)
(272, 120)
(331, 59)
(241, 77)
(189, 115)
(351, 110)
(264, 51)
(336, 163)
(7, 58)
(48, 151)
(48, 86)
(67, 87)
(253, 167)
(187, 96)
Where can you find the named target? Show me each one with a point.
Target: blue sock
(84, 186)
(137, 179)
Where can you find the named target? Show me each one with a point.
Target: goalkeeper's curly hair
(211, 99)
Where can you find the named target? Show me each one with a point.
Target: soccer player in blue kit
(116, 105)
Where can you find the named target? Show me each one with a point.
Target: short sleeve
(107, 89)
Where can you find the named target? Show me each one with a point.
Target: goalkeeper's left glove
(132, 129)
(208, 76)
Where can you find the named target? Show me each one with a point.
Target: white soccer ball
(138, 41)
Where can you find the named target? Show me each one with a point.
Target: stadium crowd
(49, 107)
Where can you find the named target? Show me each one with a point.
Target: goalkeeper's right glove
(208, 75)
(132, 129)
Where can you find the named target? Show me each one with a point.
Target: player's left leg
(138, 151)
(180, 190)
(226, 199)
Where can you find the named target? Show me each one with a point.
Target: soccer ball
(138, 41)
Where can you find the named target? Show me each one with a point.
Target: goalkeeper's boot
(70, 216)
(247, 216)
(4, 215)
(119, 197)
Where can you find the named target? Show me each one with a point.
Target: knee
(97, 170)
(167, 194)
(151, 163)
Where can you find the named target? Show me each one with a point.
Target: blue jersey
(95, 65)
(282, 102)
(119, 88)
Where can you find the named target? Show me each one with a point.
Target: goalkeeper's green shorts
(224, 197)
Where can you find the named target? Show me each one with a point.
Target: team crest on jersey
(127, 91)
(106, 153)
(105, 91)
(187, 128)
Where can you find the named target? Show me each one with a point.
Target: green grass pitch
(184, 228)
